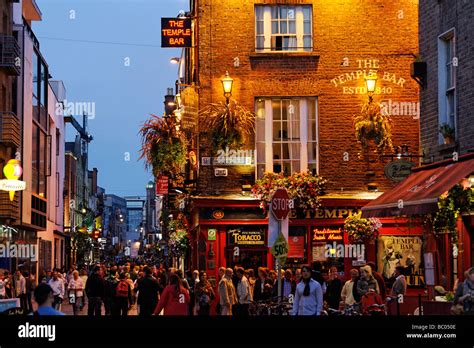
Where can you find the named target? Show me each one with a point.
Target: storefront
(234, 232)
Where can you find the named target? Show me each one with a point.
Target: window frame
(269, 37)
(447, 96)
(265, 140)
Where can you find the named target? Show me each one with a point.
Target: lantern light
(227, 83)
(371, 82)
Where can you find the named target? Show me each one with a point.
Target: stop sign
(281, 204)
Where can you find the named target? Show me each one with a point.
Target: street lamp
(227, 83)
(174, 60)
(371, 82)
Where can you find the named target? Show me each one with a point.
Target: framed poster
(405, 251)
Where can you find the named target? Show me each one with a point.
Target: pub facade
(301, 67)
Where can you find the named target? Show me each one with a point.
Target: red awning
(419, 193)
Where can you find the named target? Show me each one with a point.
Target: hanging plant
(178, 236)
(362, 230)
(458, 200)
(372, 125)
(229, 125)
(163, 147)
(305, 188)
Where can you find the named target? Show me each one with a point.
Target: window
(286, 135)
(283, 28)
(447, 79)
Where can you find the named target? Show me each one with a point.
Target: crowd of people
(114, 289)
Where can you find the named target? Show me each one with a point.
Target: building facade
(300, 67)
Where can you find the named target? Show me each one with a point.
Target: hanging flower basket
(305, 188)
(361, 230)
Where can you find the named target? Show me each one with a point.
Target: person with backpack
(123, 296)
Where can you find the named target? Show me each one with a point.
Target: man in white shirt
(243, 294)
(57, 284)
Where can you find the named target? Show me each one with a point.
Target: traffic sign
(281, 204)
(280, 249)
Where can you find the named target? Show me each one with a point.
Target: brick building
(300, 66)
(446, 34)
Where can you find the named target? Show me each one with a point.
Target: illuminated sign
(176, 32)
(325, 213)
(12, 171)
(327, 234)
(218, 214)
(239, 237)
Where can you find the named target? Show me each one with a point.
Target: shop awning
(419, 193)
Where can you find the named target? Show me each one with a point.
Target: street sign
(280, 249)
(281, 204)
(162, 185)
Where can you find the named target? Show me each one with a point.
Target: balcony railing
(9, 129)
(10, 55)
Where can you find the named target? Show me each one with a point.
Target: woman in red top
(174, 299)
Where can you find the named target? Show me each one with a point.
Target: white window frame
(267, 29)
(303, 131)
(444, 89)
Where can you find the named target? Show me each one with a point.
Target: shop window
(283, 28)
(286, 135)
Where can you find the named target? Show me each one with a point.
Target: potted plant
(448, 132)
(373, 125)
(418, 70)
(163, 146)
(362, 230)
(228, 125)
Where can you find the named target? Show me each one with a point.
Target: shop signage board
(296, 246)
(189, 110)
(162, 185)
(322, 234)
(176, 32)
(242, 237)
(398, 170)
(211, 234)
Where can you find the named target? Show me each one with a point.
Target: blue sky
(97, 73)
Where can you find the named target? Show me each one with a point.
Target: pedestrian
(204, 294)
(317, 275)
(366, 281)
(243, 294)
(288, 285)
(20, 289)
(83, 276)
(193, 280)
(298, 276)
(57, 284)
(110, 291)
(2, 287)
(45, 299)
(8, 279)
(30, 288)
(175, 298)
(308, 295)
(123, 297)
(334, 288)
(468, 293)
(251, 279)
(95, 290)
(347, 296)
(399, 287)
(227, 295)
(379, 278)
(76, 291)
(263, 286)
(147, 290)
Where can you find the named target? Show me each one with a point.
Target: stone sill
(283, 55)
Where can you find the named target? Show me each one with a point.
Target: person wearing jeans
(95, 290)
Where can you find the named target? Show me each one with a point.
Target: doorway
(246, 258)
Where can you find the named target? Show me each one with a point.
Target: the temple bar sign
(176, 32)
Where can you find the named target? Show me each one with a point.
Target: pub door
(246, 258)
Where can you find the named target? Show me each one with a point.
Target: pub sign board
(176, 32)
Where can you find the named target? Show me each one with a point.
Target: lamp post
(371, 83)
(227, 83)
